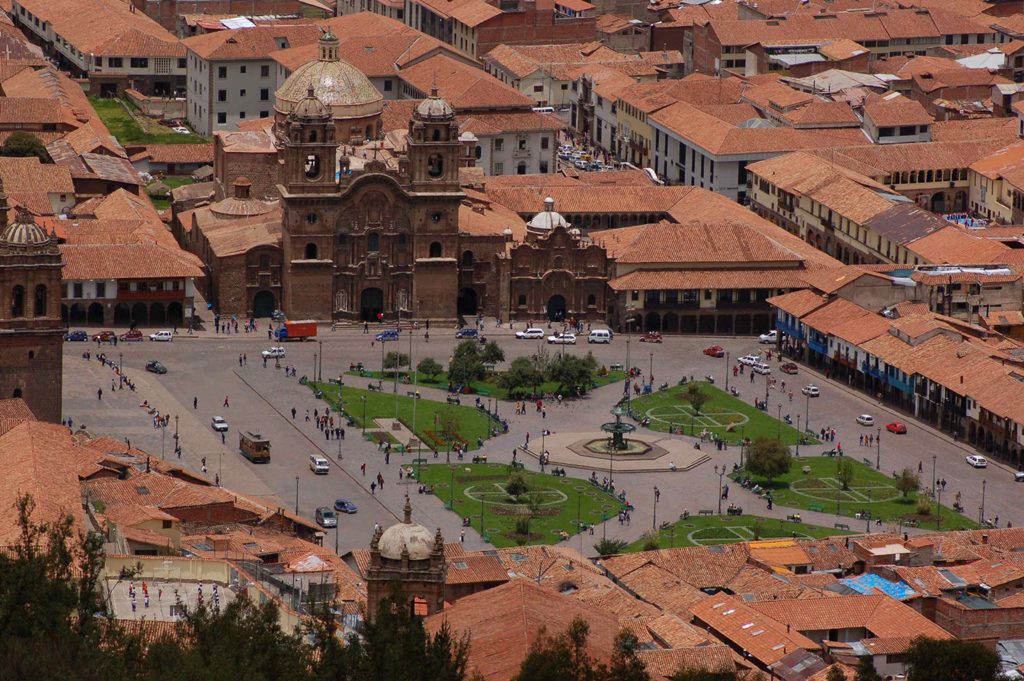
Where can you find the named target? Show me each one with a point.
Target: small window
(101, 289)
(115, 62)
(18, 302)
(311, 218)
(264, 94)
(538, 88)
(435, 249)
(544, 142)
(241, 115)
(591, 300)
(40, 302)
(312, 166)
(522, 300)
(310, 251)
(264, 262)
(499, 144)
(222, 72)
(265, 71)
(222, 95)
(241, 69)
(467, 258)
(140, 62)
(387, 86)
(373, 242)
(241, 93)
(264, 114)
(222, 117)
(479, 152)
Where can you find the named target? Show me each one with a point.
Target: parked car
(599, 336)
(387, 335)
(531, 333)
(770, 337)
(715, 351)
(77, 336)
(219, 424)
(761, 368)
(789, 368)
(750, 360)
(1018, 476)
(977, 461)
(897, 427)
(811, 390)
(156, 367)
(466, 332)
(562, 339)
(345, 506)
(131, 336)
(651, 337)
(325, 517)
(866, 420)
(319, 465)
(165, 336)
(271, 353)
(103, 336)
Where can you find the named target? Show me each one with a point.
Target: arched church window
(435, 165)
(310, 251)
(312, 135)
(40, 306)
(522, 300)
(591, 300)
(435, 249)
(311, 218)
(437, 135)
(312, 166)
(18, 301)
(467, 258)
(373, 242)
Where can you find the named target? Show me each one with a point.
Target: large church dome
(24, 231)
(339, 85)
(408, 537)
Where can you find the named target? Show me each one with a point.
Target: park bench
(816, 507)
(615, 367)
(794, 518)
(806, 470)
(706, 512)
(867, 462)
(335, 381)
(419, 461)
(452, 400)
(518, 465)
(374, 387)
(841, 526)
(413, 393)
(480, 459)
(484, 392)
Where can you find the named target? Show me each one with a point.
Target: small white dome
(408, 538)
(547, 219)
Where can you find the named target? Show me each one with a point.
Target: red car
(651, 337)
(715, 351)
(131, 336)
(897, 427)
(788, 368)
(103, 337)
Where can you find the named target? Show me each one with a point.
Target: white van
(600, 336)
(319, 464)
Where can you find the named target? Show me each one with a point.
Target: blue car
(344, 506)
(467, 332)
(389, 335)
(76, 336)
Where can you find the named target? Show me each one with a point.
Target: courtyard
(552, 507)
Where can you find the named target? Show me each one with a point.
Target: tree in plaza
(395, 360)
(610, 547)
(516, 486)
(844, 472)
(696, 396)
(573, 374)
(930, 659)
(492, 353)
(448, 425)
(768, 458)
(466, 363)
(907, 482)
(23, 144)
(429, 367)
(522, 376)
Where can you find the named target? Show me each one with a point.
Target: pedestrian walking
(226, 401)
(373, 488)
(195, 402)
(362, 469)
(293, 413)
(239, 359)
(99, 393)
(462, 536)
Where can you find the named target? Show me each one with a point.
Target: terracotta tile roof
(28, 182)
(178, 153)
(479, 216)
(662, 589)
(784, 553)
(700, 567)
(679, 279)
(16, 408)
(661, 664)
(948, 245)
(841, 49)
(696, 243)
(584, 199)
(464, 86)
(882, 616)
(930, 81)
(993, 573)
(91, 138)
(49, 83)
(33, 111)
(503, 122)
(469, 12)
(747, 628)
(126, 261)
(613, 23)
(798, 303)
(33, 456)
(877, 160)
(251, 43)
(506, 620)
(822, 114)
(106, 28)
(895, 110)
(776, 95)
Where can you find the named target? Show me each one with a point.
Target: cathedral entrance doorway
(467, 301)
(371, 303)
(556, 308)
(263, 304)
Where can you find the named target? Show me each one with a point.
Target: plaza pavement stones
(570, 449)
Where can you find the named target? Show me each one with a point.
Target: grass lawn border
(680, 533)
(478, 387)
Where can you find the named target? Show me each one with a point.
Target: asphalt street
(205, 368)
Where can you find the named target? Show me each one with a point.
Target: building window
(264, 262)
(311, 218)
(101, 289)
(241, 93)
(264, 94)
(264, 114)
(265, 71)
(544, 143)
(435, 249)
(222, 117)
(182, 64)
(499, 168)
(18, 302)
(499, 144)
(40, 306)
(521, 169)
(467, 258)
(76, 290)
(241, 69)
(140, 62)
(241, 115)
(538, 88)
(115, 62)
(522, 300)
(222, 95)
(591, 300)
(388, 86)
(543, 166)
(373, 242)
(310, 251)
(222, 72)
(522, 143)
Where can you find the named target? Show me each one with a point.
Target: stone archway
(670, 323)
(938, 203)
(122, 314)
(556, 308)
(467, 301)
(652, 322)
(77, 315)
(371, 303)
(94, 315)
(175, 313)
(263, 304)
(157, 314)
(64, 312)
(140, 314)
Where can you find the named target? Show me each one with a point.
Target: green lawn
(172, 181)
(726, 529)
(487, 387)
(558, 502)
(870, 490)
(473, 423)
(137, 130)
(731, 418)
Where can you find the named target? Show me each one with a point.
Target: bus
(254, 447)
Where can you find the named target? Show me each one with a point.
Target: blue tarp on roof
(873, 584)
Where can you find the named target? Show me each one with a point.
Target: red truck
(295, 330)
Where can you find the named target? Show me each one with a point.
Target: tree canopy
(768, 458)
(930, 659)
(20, 143)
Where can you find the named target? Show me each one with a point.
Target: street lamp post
(799, 435)
(120, 363)
(933, 472)
(654, 521)
(650, 373)
(175, 427)
(363, 398)
(163, 431)
(779, 435)
(629, 378)
(878, 449)
(320, 370)
(938, 512)
(807, 412)
(451, 490)
(314, 366)
(981, 509)
(220, 466)
(720, 470)
(726, 371)
(296, 495)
